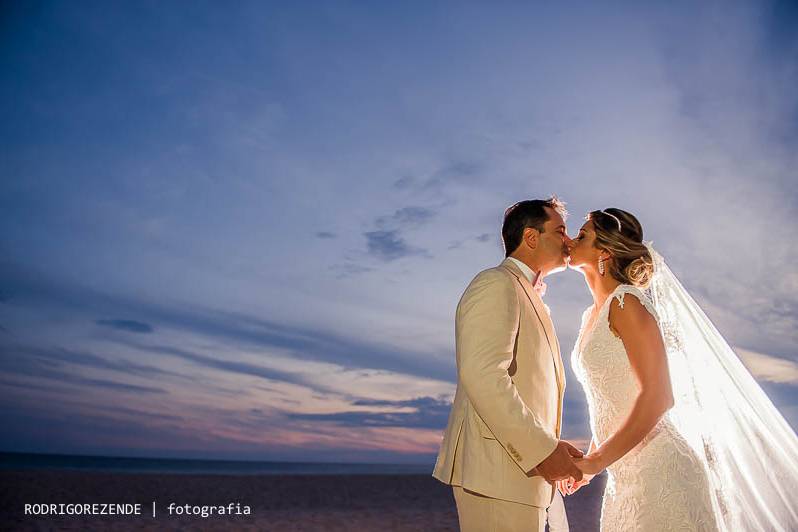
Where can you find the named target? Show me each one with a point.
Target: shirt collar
(528, 273)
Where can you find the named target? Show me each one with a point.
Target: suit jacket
(507, 410)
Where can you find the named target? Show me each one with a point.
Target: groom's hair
(527, 213)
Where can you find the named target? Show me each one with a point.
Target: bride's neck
(600, 286)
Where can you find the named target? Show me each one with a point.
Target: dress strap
(624, 289)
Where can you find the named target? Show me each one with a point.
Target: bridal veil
(747, 447)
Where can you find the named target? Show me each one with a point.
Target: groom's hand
(559, 465)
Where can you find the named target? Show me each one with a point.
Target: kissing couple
(687, 437)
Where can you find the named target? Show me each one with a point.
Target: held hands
(570, 486)
(590, 466)
(559, 465)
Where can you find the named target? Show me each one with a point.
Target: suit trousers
(478, 513)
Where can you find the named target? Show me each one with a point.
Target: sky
(240, 231)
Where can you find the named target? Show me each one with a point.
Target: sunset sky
(240, 230)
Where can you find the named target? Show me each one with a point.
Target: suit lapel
(543, 316)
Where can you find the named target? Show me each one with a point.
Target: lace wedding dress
(662, 483)
(723, 458)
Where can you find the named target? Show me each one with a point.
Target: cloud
(44, 368)
(457, 172)
(388, 242)
(422, 412)
(112, 385)
(325, 235)
(389, 246)
(323, 384)
(406, 217)
(484, 237)
(89, 360)
(231, 366)
(769, 368)
(126, 325)
(242, 329)
(449, 173)
(349, 269)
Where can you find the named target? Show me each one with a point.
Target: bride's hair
(621, 234)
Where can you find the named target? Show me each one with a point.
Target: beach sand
(280, 503)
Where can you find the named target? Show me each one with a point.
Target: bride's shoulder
(640, 303)
(622, 289)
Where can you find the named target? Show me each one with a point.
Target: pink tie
(539, 286)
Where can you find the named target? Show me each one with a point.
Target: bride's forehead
(587, 226)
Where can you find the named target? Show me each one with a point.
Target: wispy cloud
(769, 368)
(231, 366)
(456, 172)
(481, 239)
(53, 370)
(127, 325)
(406, 217)
(349, 269)
(422, 412)
(89, 360)
(238, 328)
(390, 245)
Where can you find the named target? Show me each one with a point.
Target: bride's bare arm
(570, 486)
(593, 445)
(641, 337)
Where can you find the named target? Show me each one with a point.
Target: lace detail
(624, 289)
(660, 484)
(672, 333)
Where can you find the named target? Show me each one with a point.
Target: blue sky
(240, 231)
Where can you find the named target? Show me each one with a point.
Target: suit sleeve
(486, 327)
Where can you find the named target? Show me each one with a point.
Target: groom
(501, 450)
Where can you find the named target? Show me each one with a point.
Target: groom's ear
(531, 236)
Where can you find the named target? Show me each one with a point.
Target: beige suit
(507, 410)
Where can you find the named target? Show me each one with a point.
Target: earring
(601, 265)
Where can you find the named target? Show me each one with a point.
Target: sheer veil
(747, 447)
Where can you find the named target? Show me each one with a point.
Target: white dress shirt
(528, 272)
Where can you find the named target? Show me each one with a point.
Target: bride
(688, 438)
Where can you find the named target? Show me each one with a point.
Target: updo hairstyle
(620, 233)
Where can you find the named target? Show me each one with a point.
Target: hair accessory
(617, 220)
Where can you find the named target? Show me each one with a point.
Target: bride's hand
(589, 465)
(570, 486)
